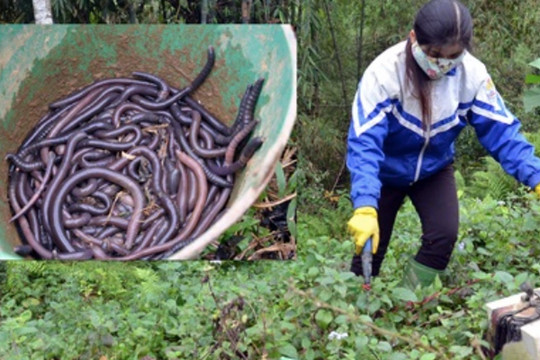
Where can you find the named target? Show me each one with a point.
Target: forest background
(310, 308)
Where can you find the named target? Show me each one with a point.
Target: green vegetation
(312, 308)
(255, 310)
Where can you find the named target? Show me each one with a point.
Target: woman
(411, 104)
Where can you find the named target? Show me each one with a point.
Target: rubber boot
(418, 274)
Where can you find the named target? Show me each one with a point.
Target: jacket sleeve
(367, 131)
(498, 131)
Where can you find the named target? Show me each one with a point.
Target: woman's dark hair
(438, 23)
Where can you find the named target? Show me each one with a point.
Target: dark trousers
(435, 201)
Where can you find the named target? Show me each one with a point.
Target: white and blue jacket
(387, 144)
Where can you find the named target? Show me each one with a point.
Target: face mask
(435, 68)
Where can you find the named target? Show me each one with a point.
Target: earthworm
(108, 232)
(179, 114)
(212, 192)
(212, 120)
(173, 176)
(29, 236)
(192, 222)
(134, 169)
(152, 218)
(76, 172)
(23, 194)
(116, 146)
(207, 219)
(182, 193)
(109, 245)
(148, 90)
(206, 139)
(43, 128)
(77, 222)
(144, 116)
(238, 122)
(118, 111)
(99, 161)
(211, 56)
(40, 189)
(151, 105)
(192, 194)
(165, 201)
(23, 250)
(194, 131)
(116, 221)
(24, 165)
(241, 135)
(56, 226)
(64, 121)
(95, 106)
(160, 105)
(148, 237)
(58, 178)
(252, 146)
(213, 178)
(92, 209)
(164, 89)
(252, 98)
(96, 125)
(81, 93)
(210, 216)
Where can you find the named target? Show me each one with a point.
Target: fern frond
(492, 181)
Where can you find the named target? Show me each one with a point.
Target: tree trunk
(42, 11)
(246, 11)
(360, 41)
(132, 14)
(204, 11)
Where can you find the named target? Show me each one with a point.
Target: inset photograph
(145, 142)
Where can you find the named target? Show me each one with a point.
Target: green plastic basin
(39, 64)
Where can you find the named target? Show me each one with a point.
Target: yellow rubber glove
(364, 225)
(537, 189)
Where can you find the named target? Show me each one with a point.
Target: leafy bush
(531, 97)
(300, 309)
(489, 179)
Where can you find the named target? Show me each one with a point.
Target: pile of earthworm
(127, 168)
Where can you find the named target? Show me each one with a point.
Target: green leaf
(280, 180)
(25, 316)
(313, 272)
(327, 280)
(291, 218)
(536, 63)
(483, 251)
(404, 294)
(384, 346)
(323, 318)
(503, 277)
(398, 356)
(531, 98)
(521, 278)
(341, 289)
(429, 356)
(292, 183)
(341, 320)
(346, 275)
(373, 305)
(532, 79)
(361, 341)
(306, 342)
(288, 350)
(30, 302)
(462, 351)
